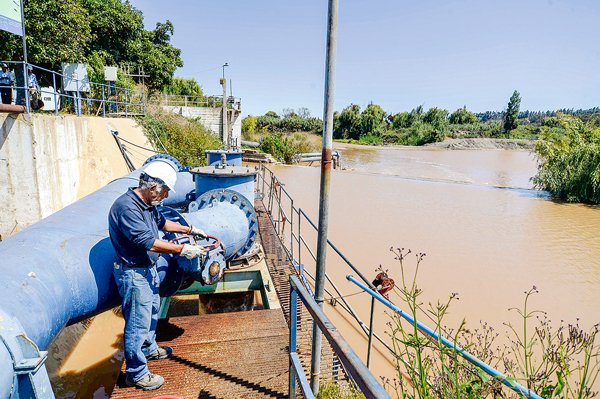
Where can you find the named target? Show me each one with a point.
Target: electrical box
(50, 98)
(75, 77)
(110, 74)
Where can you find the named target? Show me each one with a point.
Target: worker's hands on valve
(198, 232)
(192, 251)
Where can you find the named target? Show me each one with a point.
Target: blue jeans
(138, 286)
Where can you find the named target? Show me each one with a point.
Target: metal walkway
(225, 355)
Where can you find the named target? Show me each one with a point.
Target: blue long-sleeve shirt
(133, 227)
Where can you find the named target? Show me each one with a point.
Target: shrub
(463, 116)
(370, 139)
(569, 160)
(286, 147)
(185, 139)
(249, 125)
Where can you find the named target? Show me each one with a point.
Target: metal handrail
(102, 90)
(275, 190)
(360, 374)
(511, 383)
(200, 101)
(275, 194)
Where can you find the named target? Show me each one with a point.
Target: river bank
(456, 144)
(484, 144)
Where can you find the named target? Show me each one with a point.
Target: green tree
(401, 120)
(349, 123)
(159, 58)
(569, 159)
(101, 32)
(249, 124)
(463, 116)
(437, 118)
(512, 112)
(183, 87)
(372, 119)
(57, 31)
(115, 25)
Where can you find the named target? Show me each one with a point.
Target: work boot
(149, 382)
(162, 352)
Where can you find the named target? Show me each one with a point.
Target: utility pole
(324, 190)
(25, 72)
(226, 141)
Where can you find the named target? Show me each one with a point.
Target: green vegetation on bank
(375, 126)
(185, 139)
(569, 159)
(285, 136)
(554, 360)
(97, 32)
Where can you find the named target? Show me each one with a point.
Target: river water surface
(487, 235)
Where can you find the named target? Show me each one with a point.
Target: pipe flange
(170, 159)
(234, 198)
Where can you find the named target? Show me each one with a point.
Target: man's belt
(134, 265)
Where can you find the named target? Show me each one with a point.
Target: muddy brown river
(487, 234)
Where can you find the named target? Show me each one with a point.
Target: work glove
(192, 251)
(197, 232)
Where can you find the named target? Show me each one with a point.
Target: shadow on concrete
(7, 126)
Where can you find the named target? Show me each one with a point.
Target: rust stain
(326, 159)
(224, 355)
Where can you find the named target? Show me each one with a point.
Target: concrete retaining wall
(48, 162)
(211, 119)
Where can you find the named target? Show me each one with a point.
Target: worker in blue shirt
(133, 225)
(6, 83)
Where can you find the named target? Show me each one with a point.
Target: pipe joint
(22, 373)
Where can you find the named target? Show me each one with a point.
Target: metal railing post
(26, 87)
(77, 98)
(291, 228)
(54, 94)
(299, 240)
(103, 103)
(263, 179)
(293, 326)
(126, 108)
(370, 345)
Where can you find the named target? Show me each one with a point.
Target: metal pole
(324, 190)
(103, 103)
(55, 90)
(299, 241)
(77, 98)
(225, 135)
(293, 326)
(292, 229)
(370, 345)
(25, 62)
(23, 27)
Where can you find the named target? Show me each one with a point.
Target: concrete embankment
(47, 162)
(484, 144)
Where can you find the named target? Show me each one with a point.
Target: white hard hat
(163, 171)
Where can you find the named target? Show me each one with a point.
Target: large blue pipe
(59, 270)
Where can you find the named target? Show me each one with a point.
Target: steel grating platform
(280, 267)
(224, 355)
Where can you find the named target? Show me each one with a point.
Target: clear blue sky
(395, 53)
